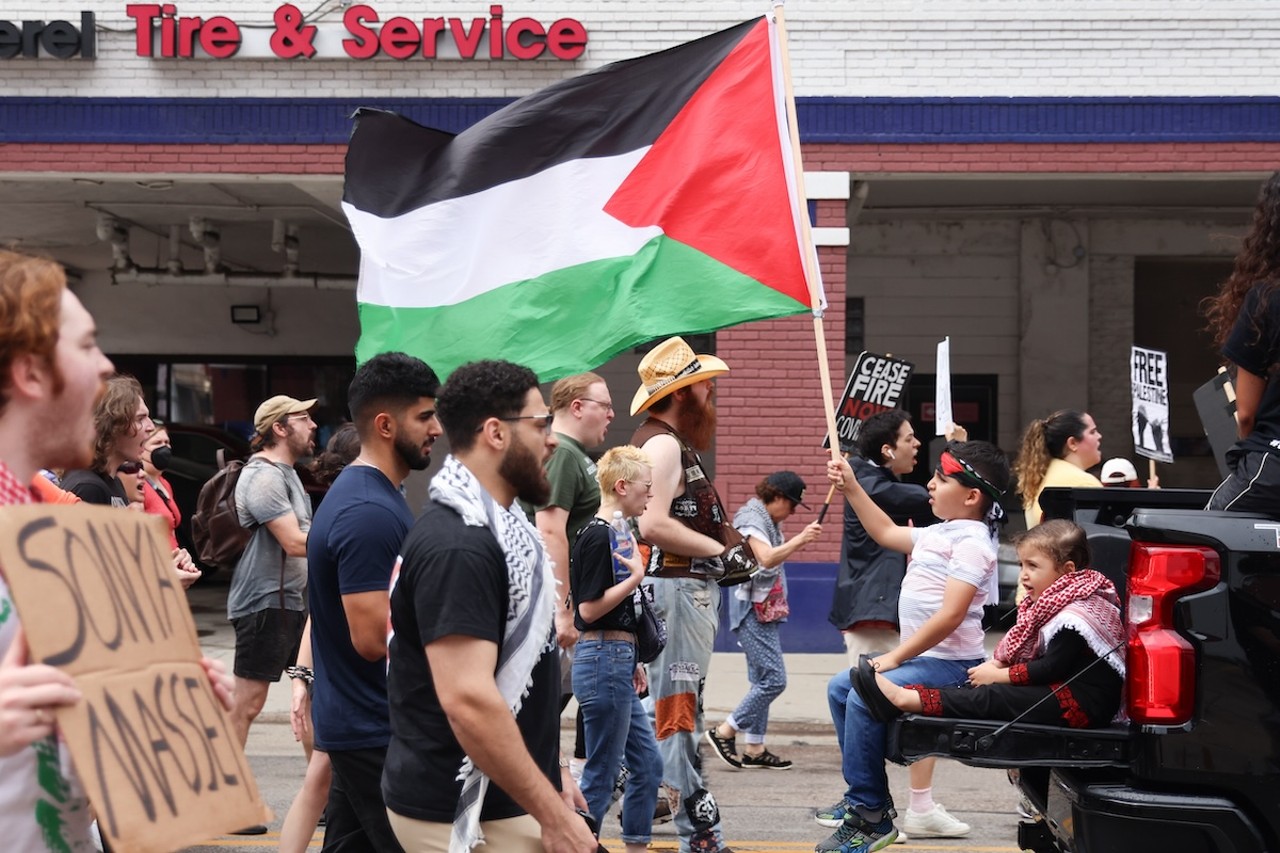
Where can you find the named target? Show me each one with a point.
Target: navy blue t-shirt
(352, 547)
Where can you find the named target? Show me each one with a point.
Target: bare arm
(462, 668)
(956, 598)
(768, 556)
(551, 523)
(656, 524)
(289, 534)
(877, 523)
(1249, 390)
(367, 622)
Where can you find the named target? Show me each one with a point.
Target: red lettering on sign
(518, 46)
(399, 38)
(567, 39)
(365, 43)
(468, 42)
(220, 37)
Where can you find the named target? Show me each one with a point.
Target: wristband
(303, 672)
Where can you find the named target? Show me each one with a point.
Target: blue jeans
(615, 724)
(862, 739)
(691, 607)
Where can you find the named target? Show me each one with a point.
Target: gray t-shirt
(266, 491)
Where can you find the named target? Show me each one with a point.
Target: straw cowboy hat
(669, 366)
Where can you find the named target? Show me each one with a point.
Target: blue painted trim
(809, 590)
(850, 121)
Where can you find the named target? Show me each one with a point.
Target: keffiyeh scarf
(530, 613)
(1083, 601)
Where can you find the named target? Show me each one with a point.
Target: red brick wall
(770, 404)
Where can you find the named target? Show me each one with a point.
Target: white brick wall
(899, 48)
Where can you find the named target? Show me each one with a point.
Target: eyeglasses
(601, 403)
(129, 468)
(648, 486)
(546, 420)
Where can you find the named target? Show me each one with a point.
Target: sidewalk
(801, 709)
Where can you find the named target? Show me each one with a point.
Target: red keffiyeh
(1087, 597)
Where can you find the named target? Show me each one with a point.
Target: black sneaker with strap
(766, 760)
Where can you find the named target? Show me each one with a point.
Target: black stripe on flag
(395, 165)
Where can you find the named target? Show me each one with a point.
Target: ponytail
(1045, 440)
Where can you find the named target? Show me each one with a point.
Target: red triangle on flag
(715, 178)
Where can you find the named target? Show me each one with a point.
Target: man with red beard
(51, 372)
(473, 675)
(677, 392)
(266, 602)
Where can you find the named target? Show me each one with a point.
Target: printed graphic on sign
(875, 385)
(1149, 375)
(155, 750)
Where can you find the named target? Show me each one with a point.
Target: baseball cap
(276, 408)
(1118, 471)
(790, 484)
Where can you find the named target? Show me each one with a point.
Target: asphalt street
(763, 810)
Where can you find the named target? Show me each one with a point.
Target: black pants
(1252, 486)
(356, 817)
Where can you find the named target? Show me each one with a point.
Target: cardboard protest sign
(875, 385)
(1149, 375)
(155, 750)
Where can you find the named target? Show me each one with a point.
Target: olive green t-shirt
(573, 485)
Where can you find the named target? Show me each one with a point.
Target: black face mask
(161, 457)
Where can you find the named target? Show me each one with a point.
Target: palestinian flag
(648, 198)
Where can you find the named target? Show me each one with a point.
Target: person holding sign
(940, 611)
(1244, 318)
(51, 371)
(1056, 451)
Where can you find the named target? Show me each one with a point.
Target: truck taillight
(1161, 663)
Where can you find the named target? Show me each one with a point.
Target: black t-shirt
(1258, 351)
(94, 488)
(452, 581)
(590, 574)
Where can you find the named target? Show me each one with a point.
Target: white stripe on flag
(451, 251)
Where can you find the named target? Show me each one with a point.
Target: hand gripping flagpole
(807, 251)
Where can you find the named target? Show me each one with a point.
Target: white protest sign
(942, 417)
(1149, 376)
(154, 748)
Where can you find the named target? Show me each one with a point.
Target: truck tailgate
(988, 743)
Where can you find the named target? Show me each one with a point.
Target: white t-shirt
(960, 549)
(42, 806)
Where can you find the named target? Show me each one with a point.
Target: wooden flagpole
(807, 250)
(808, 254)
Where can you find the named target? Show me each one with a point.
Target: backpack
(215, 527)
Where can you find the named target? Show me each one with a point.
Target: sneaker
(855, 835)
(833, 816)
(766, 759)
(256, 829)
(902, 838)
(724, 747)
(935, 823)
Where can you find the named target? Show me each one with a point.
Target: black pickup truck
(1197, 765)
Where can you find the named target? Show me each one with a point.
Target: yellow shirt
(1060, 473)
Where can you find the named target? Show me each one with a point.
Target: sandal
(725, 747)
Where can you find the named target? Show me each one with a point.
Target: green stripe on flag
(577, 318)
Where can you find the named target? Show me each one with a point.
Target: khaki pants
(512, 835)
(865, 641)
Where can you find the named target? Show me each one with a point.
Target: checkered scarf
(531, 594)
(1083, 601)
